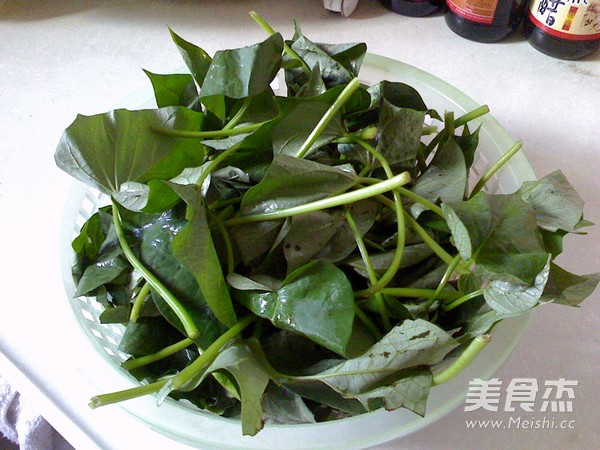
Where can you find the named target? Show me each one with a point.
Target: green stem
(409, 194)
(427, 130)
(421, 160)
(181, 313)
(212, 134)
(163, 353)
(224, 203)
(367, 322)
(367, 134)
(344, 96)
(394, 266)
(126, 394)
(463, 360)
(421, 293)
(286, 48)
(227, 242)
(423, 201)
(443, 282)
(179, 380)
(463, 299)
(215, 162)
(427, 239)
(329, 202)
(139, 302)
(370, 270)
(449, 123)
(361, 247)
(495, 167)
(476, 113)
(238, 115)
(462, 120)
(195, 369)
(372, 244)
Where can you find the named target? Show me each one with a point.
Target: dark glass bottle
(564, 30)
(413, 8)
(484, 20)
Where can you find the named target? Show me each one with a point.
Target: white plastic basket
(205, 430)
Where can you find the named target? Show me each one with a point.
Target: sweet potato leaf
(241, 73)
(107, 150)
(409, 345)
(281, 405)
(445, 178)
(500, 233)
(508, 296)
(410, 391)
(399, 134)
(196, 59)
(193, 246)
(196, 181)
(337, 63)
(291, 182)
(566, 288)
(315, 300)
(176, 89)
(556, 204)
(156, 252)
(398, 94)
(244, 363)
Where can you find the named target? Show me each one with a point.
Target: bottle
(565, 29)
(413, 8)
(484, 20)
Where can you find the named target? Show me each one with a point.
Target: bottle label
(575, 20)
(481, 11)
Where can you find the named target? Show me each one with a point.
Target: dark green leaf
(316, 300)
(176, 89)
(398, 94)
(106, 269)
(468, 143)
(469, 223)
(410, 391)
(412, 344)
(193, 246)
(315, 84)
(503, 236)
(338, 64)
(508, 296)
(293, 130)
(196, 59)
(241, 73)
(106, 150)
(280, 405)
(413, 254)
(399, 134)
(242, 361)
(556, 204)
(156, 253)
(568, 289)
(291, 182)
(148, 335)
(308, 236)
(445, 178)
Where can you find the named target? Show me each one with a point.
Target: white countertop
(61, 58)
